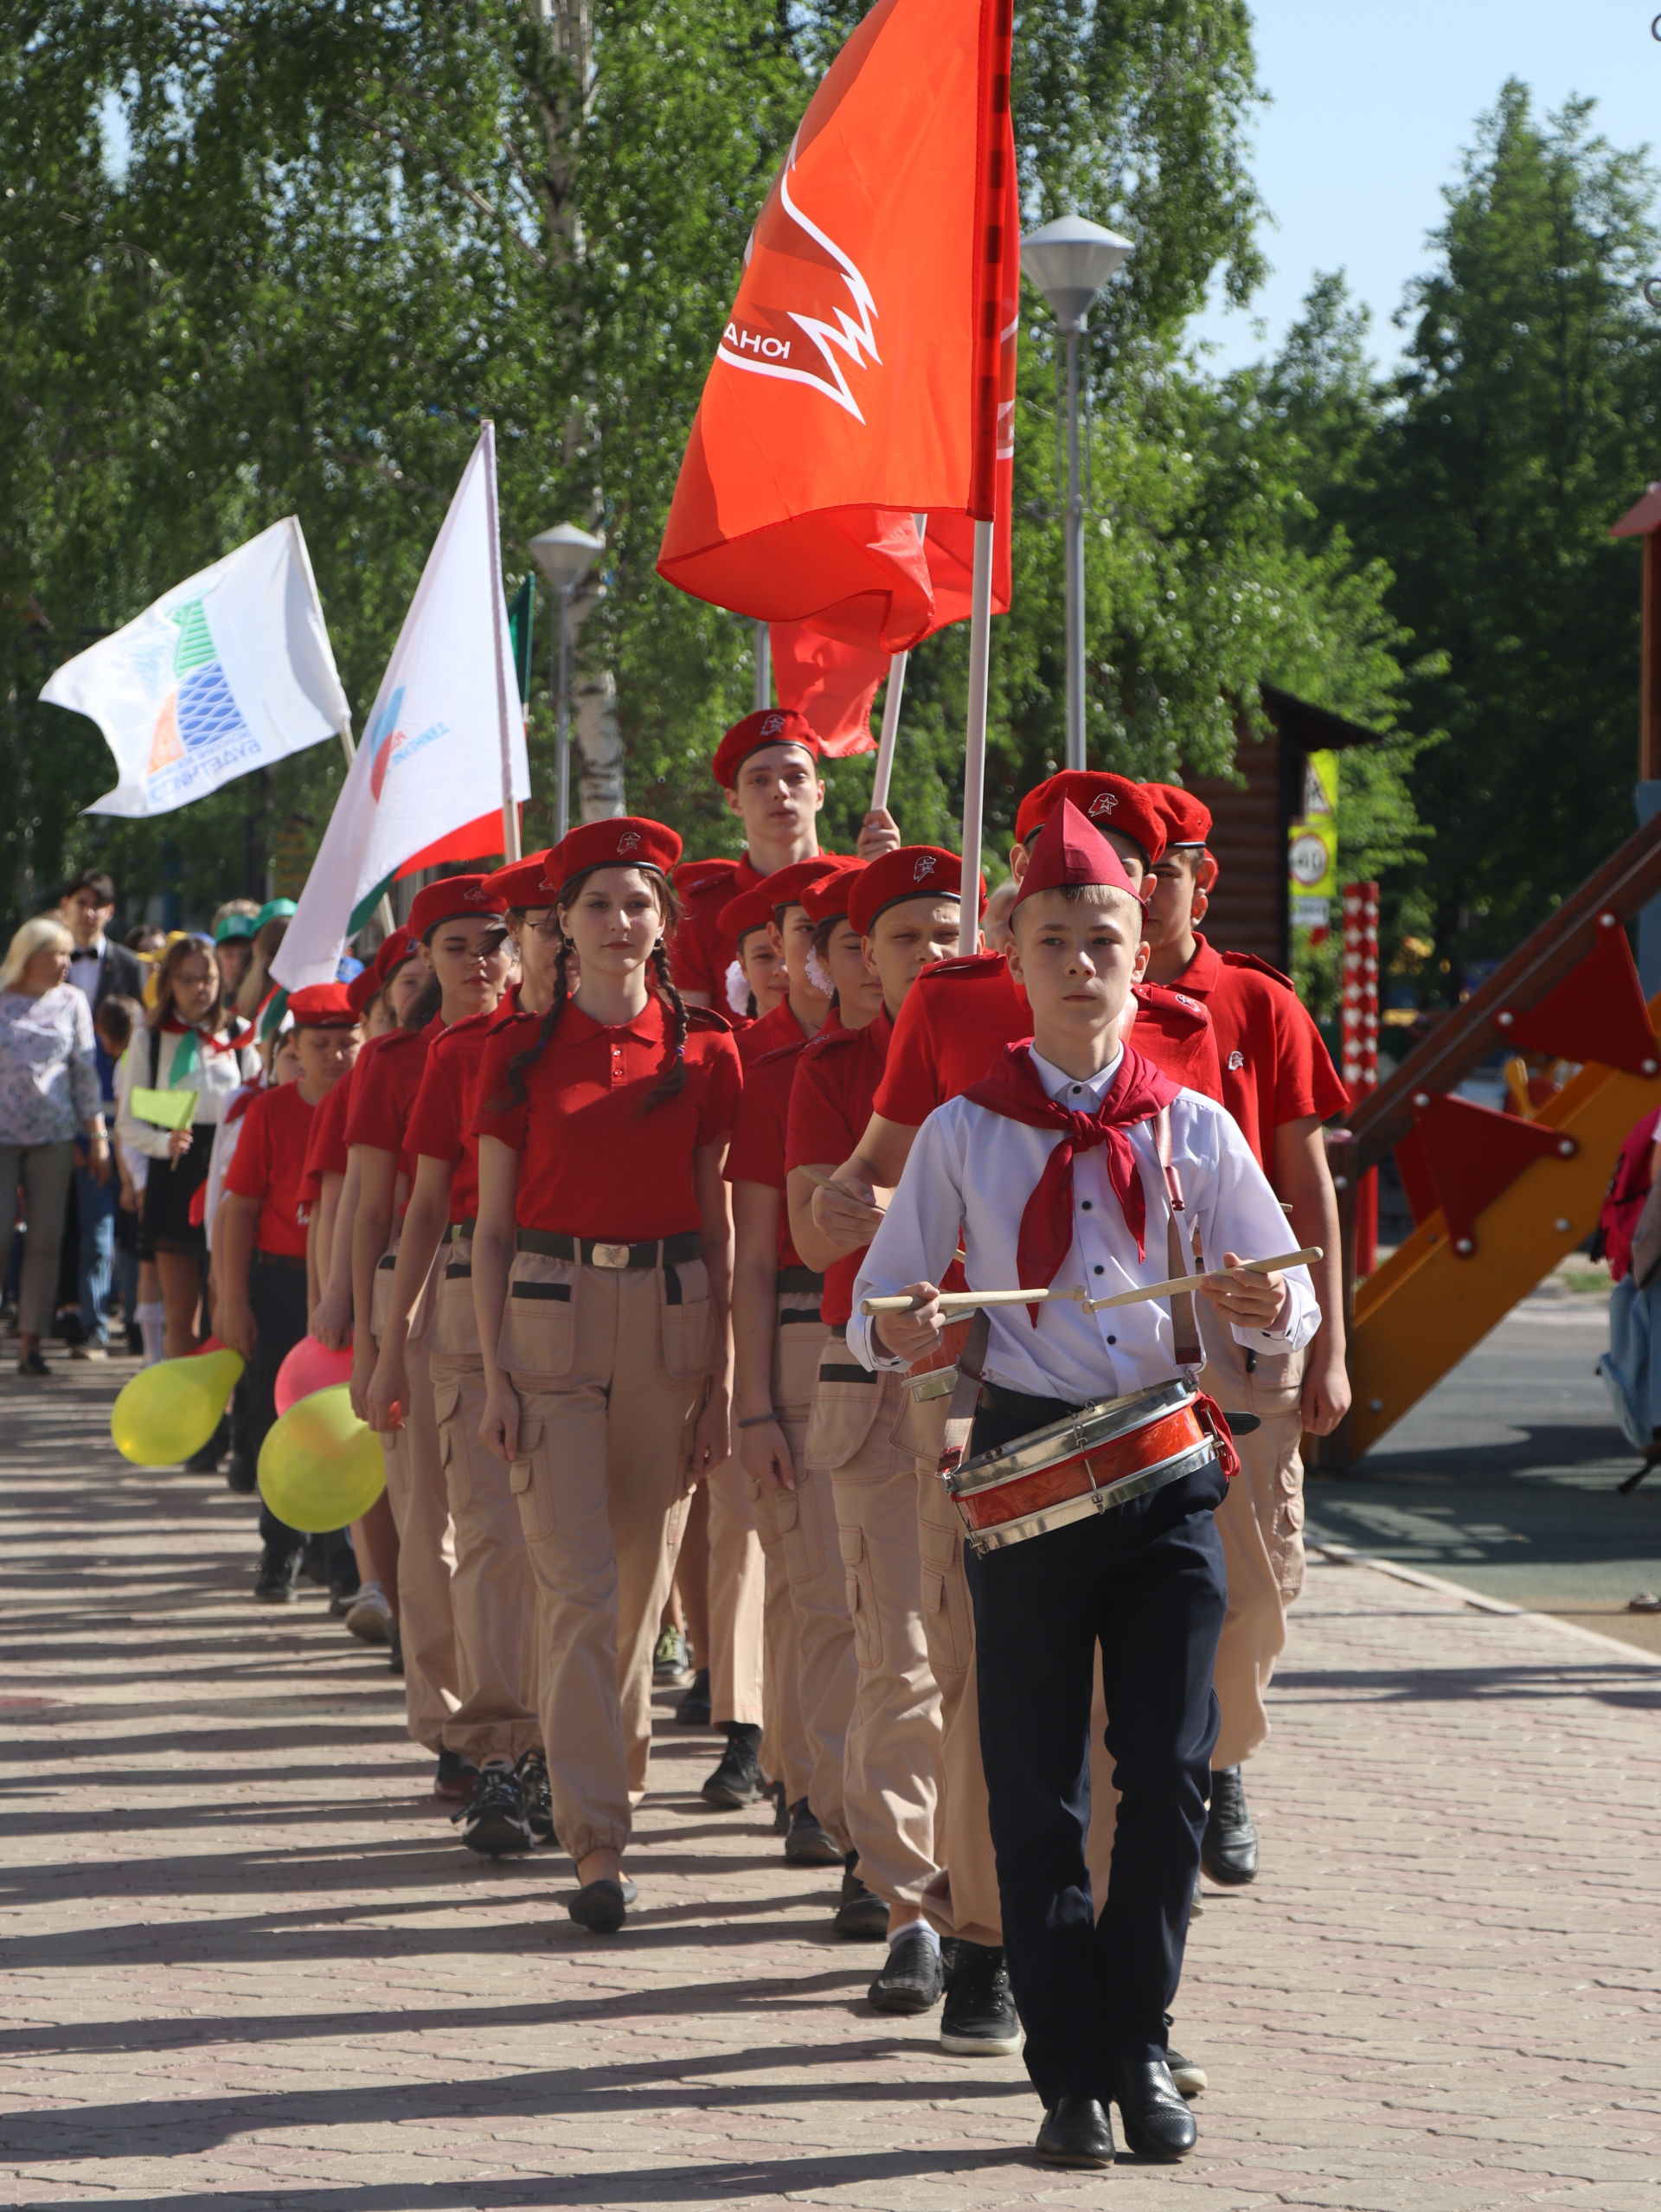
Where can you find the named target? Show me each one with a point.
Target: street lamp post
(1069, 260)
(564, 556)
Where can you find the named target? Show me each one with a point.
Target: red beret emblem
(629, 842)
(925, 865)
(772, 726)
(1104, 802)
(478, 896)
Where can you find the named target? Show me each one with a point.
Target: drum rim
(1089, 1504)
(1007, 1462)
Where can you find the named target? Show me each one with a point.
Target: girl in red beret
(601, 1260)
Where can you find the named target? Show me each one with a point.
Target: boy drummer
(1049, 1169)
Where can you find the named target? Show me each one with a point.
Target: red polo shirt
(770, 1033)
(325, 1153)
(757, 1151)
(830, 1104)
(959, 1015)
(1275, 1068)
(592, 1162)
(269, 1165)
(384, 1095)
(441, 1120)
(700, 953)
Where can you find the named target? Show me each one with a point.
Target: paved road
(1505, 1479)
(249, 1967)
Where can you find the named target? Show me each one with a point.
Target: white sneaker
(368, 1617)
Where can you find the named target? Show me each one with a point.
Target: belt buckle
(610, 1256)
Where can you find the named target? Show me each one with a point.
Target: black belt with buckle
(595, 1251)
(288, 1260)
(458, 1232)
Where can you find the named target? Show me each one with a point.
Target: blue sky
(1372, 106)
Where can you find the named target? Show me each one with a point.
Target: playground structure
(1499, 1198)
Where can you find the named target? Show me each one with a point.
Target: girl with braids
(601, 1260)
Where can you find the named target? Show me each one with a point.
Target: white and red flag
(865, 376)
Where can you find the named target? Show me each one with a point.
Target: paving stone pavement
(248, 1963)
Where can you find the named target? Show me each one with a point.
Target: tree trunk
(596, 739)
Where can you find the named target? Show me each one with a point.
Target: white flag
(229, 670)
(445, 739)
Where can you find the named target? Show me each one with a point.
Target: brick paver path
(248, 1964)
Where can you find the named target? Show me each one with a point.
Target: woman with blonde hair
(49, 1088)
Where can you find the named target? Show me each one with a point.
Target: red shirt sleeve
(723, 1091)
(436, 1125)
(910, 1090)
(373, 1117)
(1305, 1080)
(494, 1112)
(819, 1118)
(250, 1171)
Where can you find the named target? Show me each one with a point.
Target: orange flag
(832, 684)
(865, 376)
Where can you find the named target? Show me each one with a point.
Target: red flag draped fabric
(865, 376)
(475, 840)
(831, 685)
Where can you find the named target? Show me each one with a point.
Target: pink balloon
(310, 1366)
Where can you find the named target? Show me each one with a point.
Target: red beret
(524, 883)
(453, 897)
(324, 1006)
(913, 872)
(767, 726)
(621, 841)
(1071, 849)
(833, 891)
(394, 951)
(749, 910)
(1111, 802)
(362, 988)
(1188, 819)
(785, 885)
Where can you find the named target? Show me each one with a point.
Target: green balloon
(169, 1410)
(320, 1467)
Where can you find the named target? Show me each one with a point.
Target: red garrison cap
(362, 988)
(524, 883)
(324, 1006)
(1188, 819)
(623, 841)
(1111, 802)
(833, 893)
(767, 726)
(913, 872)
(749, 910)
(1071, 849)
(453, 897)
(394, 951)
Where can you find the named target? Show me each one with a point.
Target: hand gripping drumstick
(957, 1301)
(828, 1183)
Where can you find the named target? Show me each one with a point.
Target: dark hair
(119, 1018)
(672, 1082)
(135, 936)
(90, 879)
(425, 1003)
(179, 950)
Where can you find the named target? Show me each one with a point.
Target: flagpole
(891, 698)
(974, 754)
(510, 811)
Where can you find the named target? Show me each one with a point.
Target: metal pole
(1075, 566)
(884, 774)
(763, 668)
(974, 751)
(562, 731)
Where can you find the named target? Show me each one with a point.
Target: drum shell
(935, 1375)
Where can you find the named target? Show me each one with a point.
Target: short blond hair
(45, 933)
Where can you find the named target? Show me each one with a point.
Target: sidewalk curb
(1342, 1555)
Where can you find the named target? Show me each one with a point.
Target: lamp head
(566, 554)
(1069, 260)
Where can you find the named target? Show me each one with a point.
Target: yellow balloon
(320, 1466)
(169, 1410)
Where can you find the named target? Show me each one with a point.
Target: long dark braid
(522, 1061)
(672, 1082)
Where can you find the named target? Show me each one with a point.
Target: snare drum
(1103, 1455)
(935, 1376)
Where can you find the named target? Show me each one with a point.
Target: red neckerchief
(233, 1040)
(1137, 1093)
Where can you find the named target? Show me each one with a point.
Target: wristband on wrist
(756, 1420)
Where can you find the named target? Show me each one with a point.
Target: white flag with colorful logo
(228, 671)
(446, 737)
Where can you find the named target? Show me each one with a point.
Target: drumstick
(959, 1301)
(828, 1183)
(1178, 1283)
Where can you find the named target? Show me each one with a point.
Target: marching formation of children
(659, 1188)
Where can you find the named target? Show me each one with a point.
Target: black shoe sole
(1075, 2161)
(903, 2002)
(862, 1924)
(498, 1839)
(274, 1597)
(822, 1854)
(1226, 1876)
(602, 1907)
(720, 1797)
(964, 2045)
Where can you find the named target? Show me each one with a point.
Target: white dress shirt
(970, 1175)
(85, 962)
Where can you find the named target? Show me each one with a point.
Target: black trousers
(1145, 1587)
(277, 1298)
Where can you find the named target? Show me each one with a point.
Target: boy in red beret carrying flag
(1060, 1171)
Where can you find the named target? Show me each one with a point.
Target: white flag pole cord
(974, 756)
(883, 774)
(510, 811)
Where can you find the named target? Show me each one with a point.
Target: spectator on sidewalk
(114, 1027)
(98, 965)
(97, 1199)
(234, 924)
(49, 1088)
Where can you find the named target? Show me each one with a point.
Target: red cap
(749, 910)
(324, 1006)
(1188, 819)
(362, 988)
(785, 885)
(453, 896)
(1111, 802)
(524, 883)
(767, 726)
(1070, 850)
(394, 951)
(833, 893)
(913, 872)
(622, 841)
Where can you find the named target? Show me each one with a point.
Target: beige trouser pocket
(539, 1317)
(451, 1324)
(861, 1605)
(532, 1489)
(843, 1411)
(688, 1320)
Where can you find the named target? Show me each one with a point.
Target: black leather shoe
(1077, 2132)
(737, 1781)
(862, 1915)
(1156, 2123)
(1228, 1847)
(693, 1709)
(1188, 2075)
(602, 1907)
(913, 1978)
(806, 1841)
(980, 2019)
(273, 1582)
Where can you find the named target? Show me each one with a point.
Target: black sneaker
(862, 1915)
(693, 1711)
(273, 1584)
(32, 1364)
(980, 2020)
(913, 1978)
(806, 1841)
(1228, 1847)
(456, 1778)
(395, 1652)
(532, 1771)
(342, 1594)
(737, 1781)
(780, 1810)
(240, 1475)
(494, 1817)
(314, 1561)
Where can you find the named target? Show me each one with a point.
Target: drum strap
(1184, 1326)
(965, 1395)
